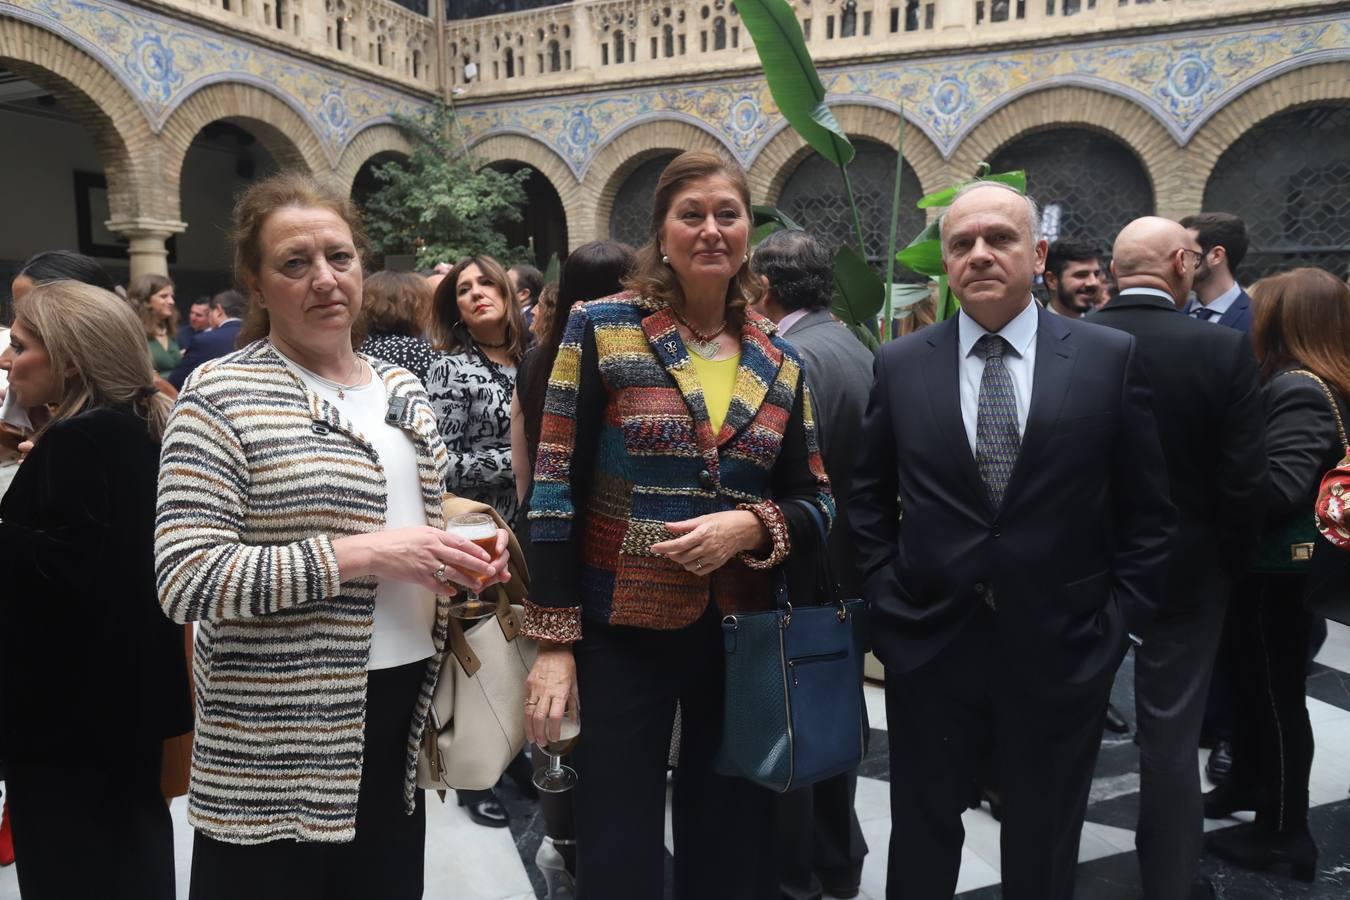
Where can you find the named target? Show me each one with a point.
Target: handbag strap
(822, 527)
(459, 643)
(1335, 407)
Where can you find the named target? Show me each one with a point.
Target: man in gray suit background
(821, 846)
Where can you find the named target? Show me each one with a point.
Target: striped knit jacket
(626, 446)
(258, 474)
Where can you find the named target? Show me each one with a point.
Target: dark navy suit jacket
(1075, 557)
(205, 346)
(1239, 315)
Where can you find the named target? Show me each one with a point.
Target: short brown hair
(654, 279)
(139, 292)
(395, 303)
(1301, 319)
(289, 188)
(448, 333)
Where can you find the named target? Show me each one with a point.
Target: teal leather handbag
(794, 698)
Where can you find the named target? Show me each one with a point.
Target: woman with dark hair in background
(1301, 321)
(394, 311)
(58, 265)
(152, 298)
(592, 271)
(77, 546)
(477, 325)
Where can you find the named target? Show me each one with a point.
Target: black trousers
(1273, 740)
(819, 838)
(630, 680)
(384, 862)
(92, 827)
(941, 716)
(1171, 681)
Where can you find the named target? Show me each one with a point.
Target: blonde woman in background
(85, 654)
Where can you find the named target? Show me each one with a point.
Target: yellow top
(718, 379)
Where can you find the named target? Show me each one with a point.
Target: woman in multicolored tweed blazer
(300, 526)
(674, 424)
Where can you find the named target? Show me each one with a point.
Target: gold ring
(440, 575)
(698, 564)
(531, 702)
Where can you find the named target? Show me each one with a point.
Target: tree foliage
(439, 203)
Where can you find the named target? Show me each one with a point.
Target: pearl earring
(746, 258)
(665, 260)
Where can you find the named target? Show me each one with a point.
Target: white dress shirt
(1019, 359)
(1220, 304)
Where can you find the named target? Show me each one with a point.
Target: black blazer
(1239, 315)
(1077, 554)
(1208, 404)
(1302, 443)
(84, 647)
(206, 346)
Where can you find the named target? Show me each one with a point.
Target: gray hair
(1033, 210)
(798, 267)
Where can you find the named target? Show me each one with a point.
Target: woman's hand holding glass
(703, 544)
(552, 714)
(422, 555)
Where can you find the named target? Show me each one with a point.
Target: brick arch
(368, 143)
(279, 128)
(1307, 86)
(1057, 107)
(617, 160)
(786, 150)
(541, 158)
(127, 148)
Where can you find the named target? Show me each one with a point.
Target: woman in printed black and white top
(394, 311)
(479, 328)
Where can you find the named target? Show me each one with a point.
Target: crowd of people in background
(1103, 451)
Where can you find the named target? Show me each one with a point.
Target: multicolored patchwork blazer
(626, 446)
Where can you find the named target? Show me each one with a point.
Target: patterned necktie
(1203, 313)
(997, 439)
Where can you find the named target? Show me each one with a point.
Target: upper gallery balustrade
(380, 37)
(595, 42)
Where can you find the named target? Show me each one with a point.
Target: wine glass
(481, 530)
(558, 778)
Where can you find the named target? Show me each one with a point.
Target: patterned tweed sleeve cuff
(327, 567)
(561, 626)
(772, 518)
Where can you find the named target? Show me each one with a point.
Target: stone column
(147, 237)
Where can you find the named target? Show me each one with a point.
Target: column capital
(145, 227)
(145, 243)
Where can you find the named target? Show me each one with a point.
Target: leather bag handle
(459, 644)
(1335, 407)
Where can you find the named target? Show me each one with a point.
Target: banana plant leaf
(947, 304)
(767, 220)
(792, 77)
(924, 253)
(1017, 179)
(861, 291)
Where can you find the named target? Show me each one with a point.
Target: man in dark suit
(1218, 296)
(1003, 583)
(227, 313)
(1207, 402)
(199, 320)
(1220, 300)
(821, 846)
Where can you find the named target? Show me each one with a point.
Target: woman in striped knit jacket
(300, 525)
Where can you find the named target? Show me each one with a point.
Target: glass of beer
(558, 778)
(482, 530)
